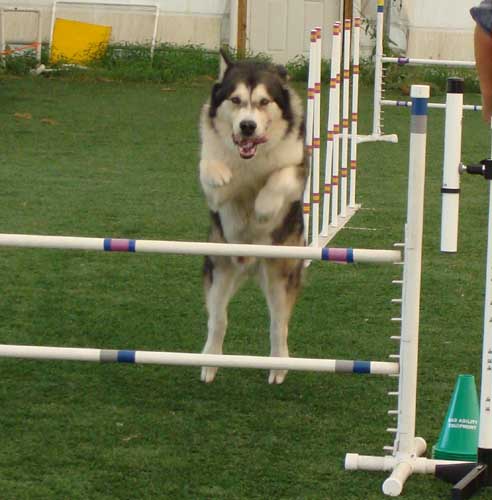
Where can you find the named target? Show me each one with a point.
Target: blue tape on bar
(107, 244)
(362, 367)
(419, 106)
(131, 246)
(350, 255)
(126, 357)
(380, 8)
(325, 254)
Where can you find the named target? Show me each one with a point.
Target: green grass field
(120, 159)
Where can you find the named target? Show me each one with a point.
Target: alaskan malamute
(253, 173)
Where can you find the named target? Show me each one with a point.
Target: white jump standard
(452, 156)
(379, 61)
(472, 477)
(407, 449)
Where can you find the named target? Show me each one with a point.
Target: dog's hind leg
(280, 281)
(221, 280)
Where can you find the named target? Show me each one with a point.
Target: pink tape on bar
(120, 245)
(338, 254)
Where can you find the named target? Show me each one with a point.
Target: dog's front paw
(277, 376)
(215, 174)
(208, 374)
(267, 206)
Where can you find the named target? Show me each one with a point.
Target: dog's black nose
(247, 127)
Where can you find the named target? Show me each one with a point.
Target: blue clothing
(482, 14)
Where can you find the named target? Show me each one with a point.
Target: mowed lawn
(120, 159)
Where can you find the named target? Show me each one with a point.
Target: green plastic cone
(459, 434)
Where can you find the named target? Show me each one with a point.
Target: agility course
(156, 408)
(407, 448)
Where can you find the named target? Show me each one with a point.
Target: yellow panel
(77, 42)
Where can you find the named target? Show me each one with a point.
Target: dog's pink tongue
(247, 149)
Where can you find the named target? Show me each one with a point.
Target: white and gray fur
(253, 173)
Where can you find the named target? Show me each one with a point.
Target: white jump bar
(436, 105)
(197, 248)
(432, 62)
(193, 359)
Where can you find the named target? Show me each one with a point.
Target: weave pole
(309, 131)
(335, 52)
(336, 138)
(315, 170)
(378, 70)
(452, 156)
(348, 255)
(345, 117)
(355, 110)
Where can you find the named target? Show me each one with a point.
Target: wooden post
(348, 9)
(242, 24)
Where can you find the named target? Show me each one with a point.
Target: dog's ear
(282, 72)
(216, 99)
(226, 57)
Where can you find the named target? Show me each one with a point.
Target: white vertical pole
(405, 443)
(316, 139)
(52, 27)
(154, 31)
(329, 133)
(378, 69)
(233, 22)
(2, 36)
(355, 110)
(452, 156)
(39, 39)
(485, 428)
(309, 132)
(336, 139)
(345, 116)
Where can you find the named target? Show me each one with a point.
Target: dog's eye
(235, 100)
(264, 102)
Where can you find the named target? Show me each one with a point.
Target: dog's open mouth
(247, 146)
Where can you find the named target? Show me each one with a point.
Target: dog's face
(251, 106)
